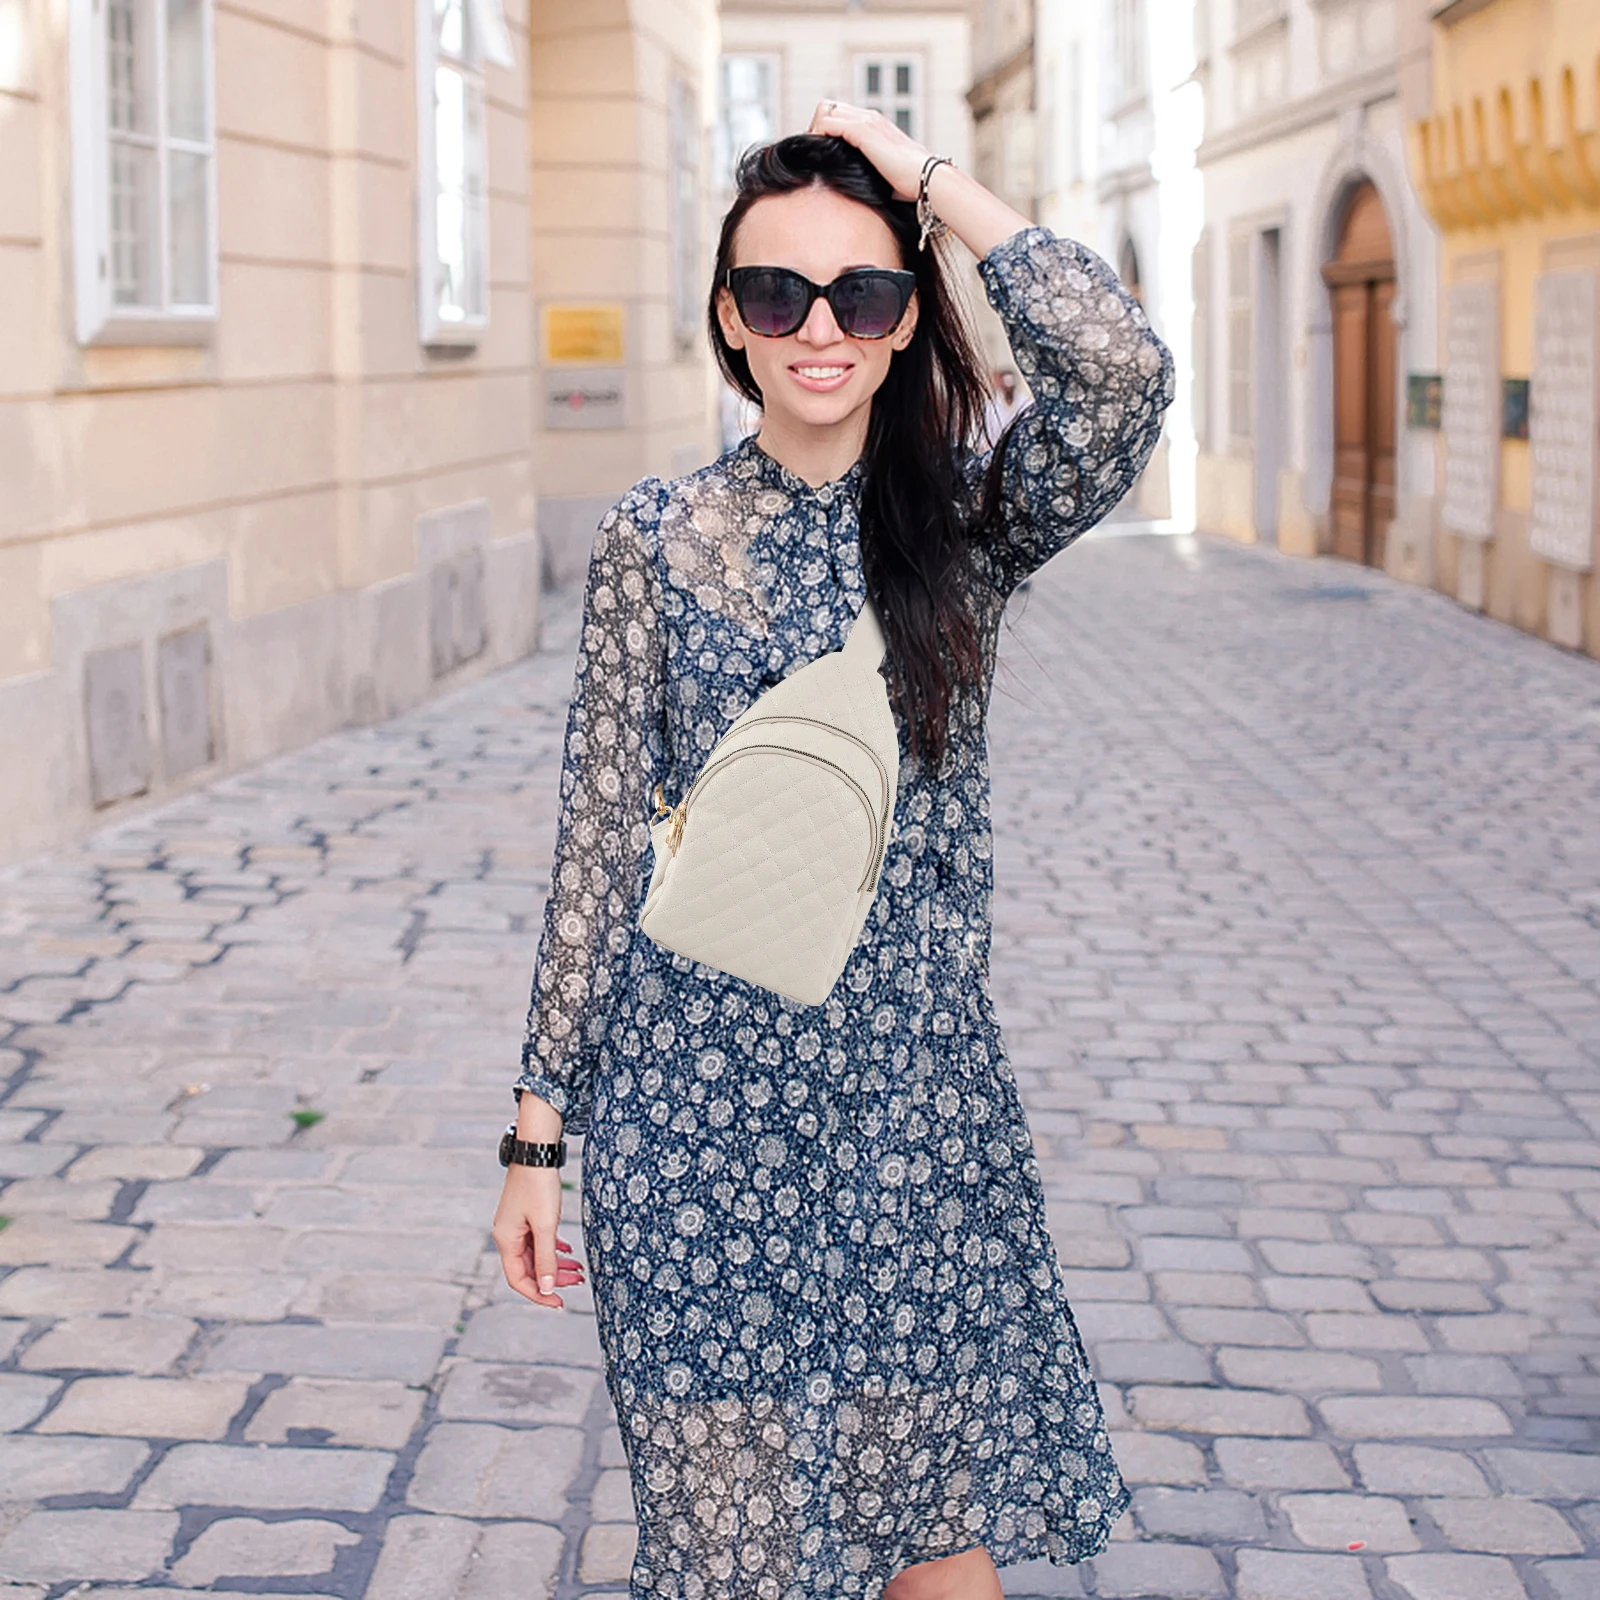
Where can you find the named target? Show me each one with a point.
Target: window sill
(454, 340)
(153, 328)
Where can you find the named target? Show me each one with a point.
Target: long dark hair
(918, 517)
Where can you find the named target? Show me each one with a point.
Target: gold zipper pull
(675, 833)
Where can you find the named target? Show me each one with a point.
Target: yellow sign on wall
(587, 335)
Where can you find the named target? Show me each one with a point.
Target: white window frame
(1200, 336)
(727, 155)
(1047, 164)
(888, 100)
(1241, 341)
(100, 319)
(1075, 112)
(486, 42)
(1129, 65)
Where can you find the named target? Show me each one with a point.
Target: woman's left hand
(891, 150)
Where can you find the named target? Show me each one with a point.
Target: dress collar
(772, 472)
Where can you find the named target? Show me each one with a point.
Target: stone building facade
(1004, 99)
(622, 190)
(1502, 98)
(1314, 285)
(1115, 122)
(910, 59)
(318, 314)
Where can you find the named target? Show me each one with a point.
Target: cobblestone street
(1298, 950)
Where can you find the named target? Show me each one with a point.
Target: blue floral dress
(834, 1324)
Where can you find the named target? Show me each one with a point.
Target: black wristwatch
(524, 1153)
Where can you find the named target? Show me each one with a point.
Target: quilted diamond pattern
(766, 884)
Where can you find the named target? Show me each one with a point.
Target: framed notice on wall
(583, 335)
(1563, 417)
(584, 398)
(1424, 393)
(585, 380)
(1513, 408)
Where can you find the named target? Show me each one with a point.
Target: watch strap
(515, 1152)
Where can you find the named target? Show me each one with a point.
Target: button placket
(844, 551)
(824, 524)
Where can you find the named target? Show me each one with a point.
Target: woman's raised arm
(1101, 382)
(1100, 377)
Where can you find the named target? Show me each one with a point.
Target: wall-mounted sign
(1513, 408)
(583, 335)
(1424, 397)
(585, 397)
(1564, 422)
(1471, 411)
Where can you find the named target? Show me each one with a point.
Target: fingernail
(547, 1285)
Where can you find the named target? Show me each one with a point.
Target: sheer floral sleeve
(1101, 381)
(613, 751)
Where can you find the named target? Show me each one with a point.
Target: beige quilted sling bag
(769, 864)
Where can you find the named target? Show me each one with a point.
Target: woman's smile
(821, 377)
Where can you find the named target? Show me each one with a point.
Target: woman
(834, 1326)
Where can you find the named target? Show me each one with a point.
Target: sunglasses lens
(867, 305)
(772, 303)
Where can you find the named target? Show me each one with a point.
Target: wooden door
(1381, 381)
(1352, 510)
(1361, 282)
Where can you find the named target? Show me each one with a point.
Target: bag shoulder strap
(866, 641)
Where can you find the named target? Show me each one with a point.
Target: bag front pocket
(775, 857)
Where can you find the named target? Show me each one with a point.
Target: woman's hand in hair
(890, 149)
(979, 219)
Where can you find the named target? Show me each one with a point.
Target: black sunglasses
(867, 302)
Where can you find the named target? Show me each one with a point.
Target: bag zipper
(877, 761)
(680, 812)
(843, 733)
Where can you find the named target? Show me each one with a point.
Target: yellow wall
(1507, 162)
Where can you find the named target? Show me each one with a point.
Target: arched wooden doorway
(1361, 281)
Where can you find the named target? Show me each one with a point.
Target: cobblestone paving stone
(1298, 951)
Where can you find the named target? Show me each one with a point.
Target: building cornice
(1123, 181)
(1360, 89)
(1476, 165)
(1273, 27)
(985, 89)
(839, 8)
(1453, 11)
